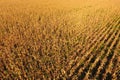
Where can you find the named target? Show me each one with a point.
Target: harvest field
(59, 40)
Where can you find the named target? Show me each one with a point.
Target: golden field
(59, 40)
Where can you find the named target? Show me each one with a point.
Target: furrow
(77, 69)
(105, 62)
(74, 54)
(83, 58)
(92, 35)
(97, 62)
(78, 63)
(89, 63)
(108, 74)
(83, 50)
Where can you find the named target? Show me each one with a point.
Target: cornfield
(59, 40)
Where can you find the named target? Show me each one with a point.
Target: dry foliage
(59, 39)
